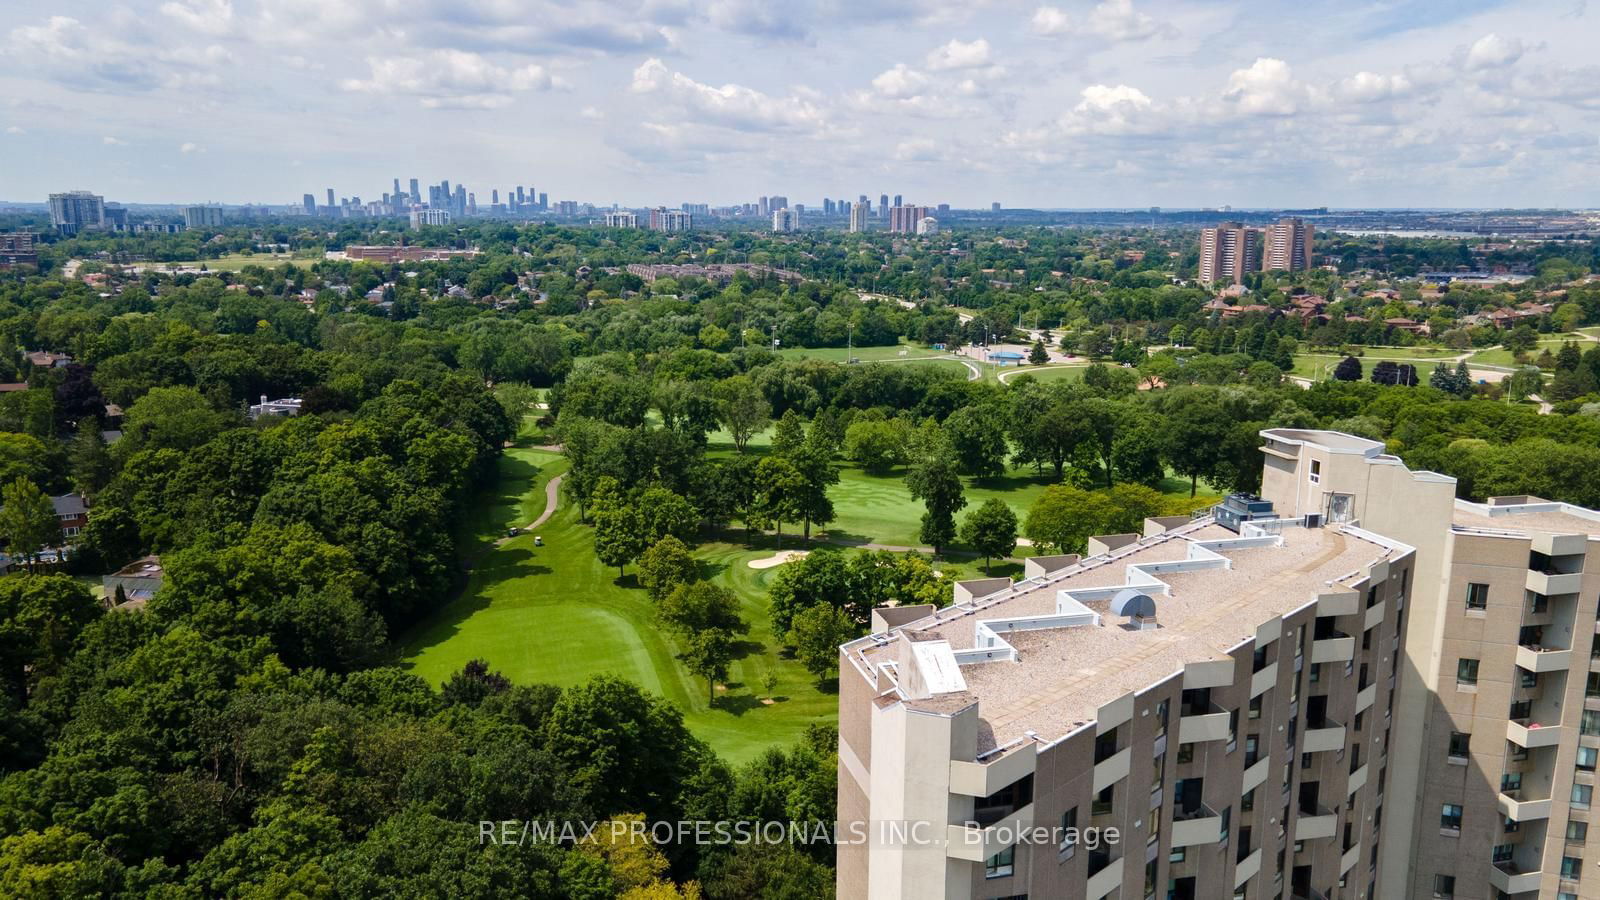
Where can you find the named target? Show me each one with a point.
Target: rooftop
(1522, 515)
(1225, 586)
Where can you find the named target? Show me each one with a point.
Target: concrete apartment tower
(1228, 253)
(1286, 246)
(858, 215)
(1356, 686)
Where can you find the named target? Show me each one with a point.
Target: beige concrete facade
(1382, 692)
(1236, 747)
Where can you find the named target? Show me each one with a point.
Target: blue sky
(1055, 103)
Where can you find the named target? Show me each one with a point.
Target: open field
(865, 354)
(233, 262)
(553, 614)
(1319, 367)
(1044, 373)
(1499, 356)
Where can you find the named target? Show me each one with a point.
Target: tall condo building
(1286, 246)
(75, 211)
(904, 219)
(622, 220)
(430, 216)
(309, 202)
(1228, 253)
(883, 204)
(202, 216)
(1354, 686)
(859, 211)
(785, 219)
(663, 219)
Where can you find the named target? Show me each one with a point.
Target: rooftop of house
(1523, 514)
(1228, 585)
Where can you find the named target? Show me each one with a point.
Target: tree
(1064, 518)
(1521, 339)
(517, 399)
(991, 530)
(979, 440)
(769, 682)
(877, 445)
(814, 461)
(1038, 355)
(706, 618)
(1348, 369)
(89, 461)
(1196, 431)
(934, 480)
(708, 654)
(665, 566)
(663, 512)
(27, 520)
(816, 634)
(780, 493)
(619, 535)
(789, 433)
(1523, 383)
(742, 409)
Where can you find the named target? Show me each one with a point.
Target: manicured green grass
(1500, 356)
(554, 615)
(233, 262)
(1320, 366)
(1046, 373)
(865, 354)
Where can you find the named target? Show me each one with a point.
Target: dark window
(1477, 596)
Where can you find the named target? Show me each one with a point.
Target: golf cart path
(552, 496)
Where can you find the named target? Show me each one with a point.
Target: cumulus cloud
(900, 82)
(960, 55)
(451, 79)
(1111, 20)
(1493, 52)
(70, 52)
(214, 17)
(731, 105)
(110, 141)
(1370, 87)
(189, 147)
(1267, 88)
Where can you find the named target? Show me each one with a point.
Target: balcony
(1113, 769)
(1256, 775)
(1201, 825)
(1263, 681)
(1208, 726)
(1358, 780)
(1531, 735)
(1551, 584)
(1519, 810)
(1366, 697)
(1313, 824)
(1325, 735)
(1339, 648)
(1375, 615)
(1508, 878)
(977, 843)
(1247, 868)
(1106, 880)
(1541, 659)
(1349, 859)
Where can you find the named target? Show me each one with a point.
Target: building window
(1102, 802)
(1185, 753)
(1255, 708)
(1571, 868)
(1592, 687)
(1466, 671)
(1177, 855)
(1577, 831)
(1069, 831)
(1444, 886)
(1105, 746)
(1460, 745)
(1248, 801)
(1510, 781)
(1589, 723)
(1477, 596)
(1161, 717)
(1503, 853)
(1581, 794)
(1450, 817)
(1586, 758)
(1316, 471)
(1001, 864)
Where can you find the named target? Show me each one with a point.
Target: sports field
(233, 262)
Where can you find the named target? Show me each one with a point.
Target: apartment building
(858, 215)
(1222, 698)
(1286, 246)
(1228, 253)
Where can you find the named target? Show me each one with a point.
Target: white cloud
(190, 147)
(1111, 20)
(592, 112)
(918, 150)
(959, 55)
(70, 52)
(14, 129)
(1492, 52)
(451, 79)
(731, 105)
(900, 82)
(1267, 88)
(214, 17)
(1370, 87)
(110, 141)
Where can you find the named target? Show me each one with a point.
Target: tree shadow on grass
(742, 649)
(737, 704)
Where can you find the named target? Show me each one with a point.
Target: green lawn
(1504, 358)
(1319, 366)
(233, 262)
(553, 614)
(1046, 373)
(865, 354)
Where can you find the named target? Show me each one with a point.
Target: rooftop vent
(1138, 606)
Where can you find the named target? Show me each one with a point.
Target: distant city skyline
(1054, 104)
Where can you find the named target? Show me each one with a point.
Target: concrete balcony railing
(1520, 810)
(1520, 733)
(1106, 880)
(1375, 614)
(1333, 649)
(1209, 726)
(1256, 775)
(1112, 769)
(1325, 736)
(1507, 878)
(1539, 659)
(1552, 584)
(1201, 826)
(977, 843)
(1264, 680)
(1310, 826)
(1247, 868)
(1358, 780)
(1349, 859)
(1366, 697)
